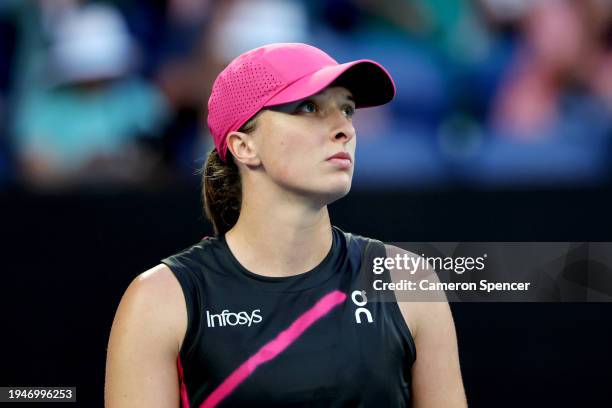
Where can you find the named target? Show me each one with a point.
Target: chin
(336, 191)
(326, 190)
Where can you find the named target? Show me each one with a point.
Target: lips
(341, 160)
(341, 156)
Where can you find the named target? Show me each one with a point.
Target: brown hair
(222, 187)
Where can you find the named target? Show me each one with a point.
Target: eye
(349, 110)
(306, 107)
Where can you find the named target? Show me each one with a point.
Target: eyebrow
(350, 98)
(312, 97)
(345, 97)
(287, 107)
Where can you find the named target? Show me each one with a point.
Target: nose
(342, 128)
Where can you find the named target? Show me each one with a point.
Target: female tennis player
(277, 309)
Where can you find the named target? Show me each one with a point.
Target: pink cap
(286, 72)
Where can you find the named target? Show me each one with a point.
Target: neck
(280, 237)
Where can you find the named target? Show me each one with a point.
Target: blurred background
(490, 92)
(501, 130)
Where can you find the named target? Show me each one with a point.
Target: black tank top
(316, 339)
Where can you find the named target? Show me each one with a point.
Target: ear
(243, 149)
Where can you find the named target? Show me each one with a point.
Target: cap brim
(368, 81)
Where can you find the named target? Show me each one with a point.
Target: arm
(144, 343)
(436, 375)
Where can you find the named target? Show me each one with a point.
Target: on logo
(361, 303)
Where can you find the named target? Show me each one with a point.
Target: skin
(283, 229)
(287, 178)
(436, 375)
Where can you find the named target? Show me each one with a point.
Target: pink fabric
(183, 390)
(274, 347)
(275, 74)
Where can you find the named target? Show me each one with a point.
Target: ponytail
(222, 187)
(221, 192)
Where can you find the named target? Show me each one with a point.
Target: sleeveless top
(315, 339)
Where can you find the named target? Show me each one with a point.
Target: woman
(277, 309)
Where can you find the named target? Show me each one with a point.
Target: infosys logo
(226, 318)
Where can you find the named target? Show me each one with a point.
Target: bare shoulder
(155, 298)
(144, 342)
(158, 280)
(418, 306)
(436, 375)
